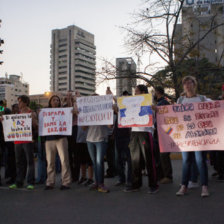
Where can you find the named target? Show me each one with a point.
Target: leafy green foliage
(210, 77)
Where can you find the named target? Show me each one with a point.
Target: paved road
(79, 205)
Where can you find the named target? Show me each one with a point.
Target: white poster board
(95, 110)
(17, 127)
(55, 121)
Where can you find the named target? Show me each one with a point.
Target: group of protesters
(130, 153)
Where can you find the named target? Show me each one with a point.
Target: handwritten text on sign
(55, 121)
(135, 111)
(95, 110)
(191, 127)
(17, 127)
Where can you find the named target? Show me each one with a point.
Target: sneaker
(63, 187)
(153, 190)
(30, 187)
(166, 180)
(88, 182)
(204, 191)
(93, 187)
(13, 186)
(82, 180)
(182, 191)
(103, 189)
(118, 184)
(192, 185)
(131, 189)
(48, 188)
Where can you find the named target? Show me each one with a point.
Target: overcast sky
(26, 29)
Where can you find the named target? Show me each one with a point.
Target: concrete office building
(196, 21)
(11, 87)
(73, 61)
(125, 69)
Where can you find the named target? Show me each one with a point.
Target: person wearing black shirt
(165, 166)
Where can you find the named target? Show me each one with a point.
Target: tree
(209, 76)
(34, 106)
(155, 30)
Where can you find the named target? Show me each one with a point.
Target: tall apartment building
(73, 60)
(196, 21)
(11, 88)
(125, 68)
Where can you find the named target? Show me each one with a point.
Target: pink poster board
(191, 127)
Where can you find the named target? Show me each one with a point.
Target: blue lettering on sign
(183, 107)
(201, 2)
(189, 2)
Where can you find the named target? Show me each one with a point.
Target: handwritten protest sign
(17, 127)
(135, 111)
(55, 121)
(95, 110)
(191, 127)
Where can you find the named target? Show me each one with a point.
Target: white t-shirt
(195, 99)
(97, 133)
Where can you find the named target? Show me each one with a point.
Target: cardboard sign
(191, 127)
(55, 121)
(95, 110)
(135, 111)
(17, 127)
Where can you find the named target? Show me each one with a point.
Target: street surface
(79, 205)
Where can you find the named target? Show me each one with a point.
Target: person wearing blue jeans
(200, 158)
(190, 96)
(97, 151)
(97, 137)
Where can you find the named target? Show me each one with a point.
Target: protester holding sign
(97, 135)
(190, 96)
(141, 148)
(25, 147)
(57, 144)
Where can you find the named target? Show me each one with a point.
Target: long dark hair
(49, 102)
